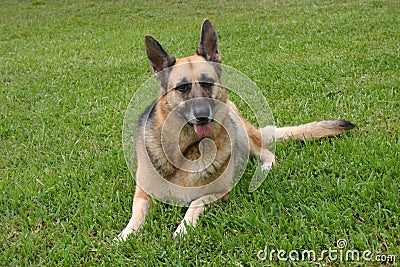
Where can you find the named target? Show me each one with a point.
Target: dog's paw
(180, 231)
(123, 235)
(267, 166)
(267, 159)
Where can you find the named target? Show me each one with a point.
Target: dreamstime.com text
(339, 254)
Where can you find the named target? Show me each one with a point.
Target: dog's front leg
(194, 211)
(141, 203)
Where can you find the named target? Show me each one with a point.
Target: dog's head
(192, 83)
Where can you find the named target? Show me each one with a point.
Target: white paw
(266, 166)
(181, 230)
(123, 235)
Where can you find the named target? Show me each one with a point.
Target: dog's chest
(189, 161)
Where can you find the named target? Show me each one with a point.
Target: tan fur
(313, 130)
(159, 155)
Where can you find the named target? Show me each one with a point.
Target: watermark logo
(341, 253)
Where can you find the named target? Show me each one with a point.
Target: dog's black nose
(201, 109)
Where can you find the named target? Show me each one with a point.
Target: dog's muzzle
(201, 115)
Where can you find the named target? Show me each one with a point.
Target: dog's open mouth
(202, 130)
(202, 127)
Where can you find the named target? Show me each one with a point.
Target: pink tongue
(202, 130)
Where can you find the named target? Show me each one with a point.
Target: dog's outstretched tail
(313, 130)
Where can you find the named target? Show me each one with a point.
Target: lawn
(68, 71)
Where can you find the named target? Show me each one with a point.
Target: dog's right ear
(159, 58)
(208, 45)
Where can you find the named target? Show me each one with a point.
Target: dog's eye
(183, 88)
(206, 85)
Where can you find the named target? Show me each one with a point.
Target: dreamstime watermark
(339, 254)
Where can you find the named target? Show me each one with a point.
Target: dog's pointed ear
(208, 45)
(158, 56)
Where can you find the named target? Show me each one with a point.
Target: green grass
(68, 71)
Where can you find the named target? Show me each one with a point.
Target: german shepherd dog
(192, 138)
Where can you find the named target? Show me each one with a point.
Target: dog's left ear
(208, 45)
